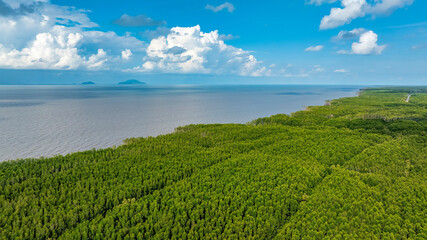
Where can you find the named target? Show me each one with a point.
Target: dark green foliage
(354, 169)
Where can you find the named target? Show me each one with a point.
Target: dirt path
(407, 99)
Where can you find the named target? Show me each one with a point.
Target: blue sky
(214, 42)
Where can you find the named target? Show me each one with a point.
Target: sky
(350, 42)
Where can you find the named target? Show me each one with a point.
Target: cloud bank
(55, 50)
(57, 37)
(41, 35)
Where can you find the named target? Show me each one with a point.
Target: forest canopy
(352, 169)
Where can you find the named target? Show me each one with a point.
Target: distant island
(132, 81)
(87, 83)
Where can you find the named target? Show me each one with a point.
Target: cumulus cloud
(367, 45)
(57, 37)
(64, 38)
(352, 9)
(17, 30)
(226, 5)
(314, 48)
(137, 21)
(189, 50)
(55, 50)
(126, 54)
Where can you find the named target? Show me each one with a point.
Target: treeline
(355, 169)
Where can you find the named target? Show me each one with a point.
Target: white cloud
(64, 38)
(189, 50)
(388, 6)
(55, 50)
(17, 3)
(339, 16)
(352, 9)
(314, 48)
(226, 5)
(68, 16)
(126, 54)
(17, 30)
(367, 45)
(340, 71)
(96, 61)
(58, 37)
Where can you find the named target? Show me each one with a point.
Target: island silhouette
(131, 81)
(87, 83)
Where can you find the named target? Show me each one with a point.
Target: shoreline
(122, 140)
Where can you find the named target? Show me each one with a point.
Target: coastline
(97, 144)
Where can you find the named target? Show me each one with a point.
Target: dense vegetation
(354, 169)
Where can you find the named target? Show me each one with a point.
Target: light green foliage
(355, 169)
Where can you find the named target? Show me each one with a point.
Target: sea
(41, 120)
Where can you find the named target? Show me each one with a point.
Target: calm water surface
(47, 120)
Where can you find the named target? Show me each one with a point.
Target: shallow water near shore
(48, 120)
